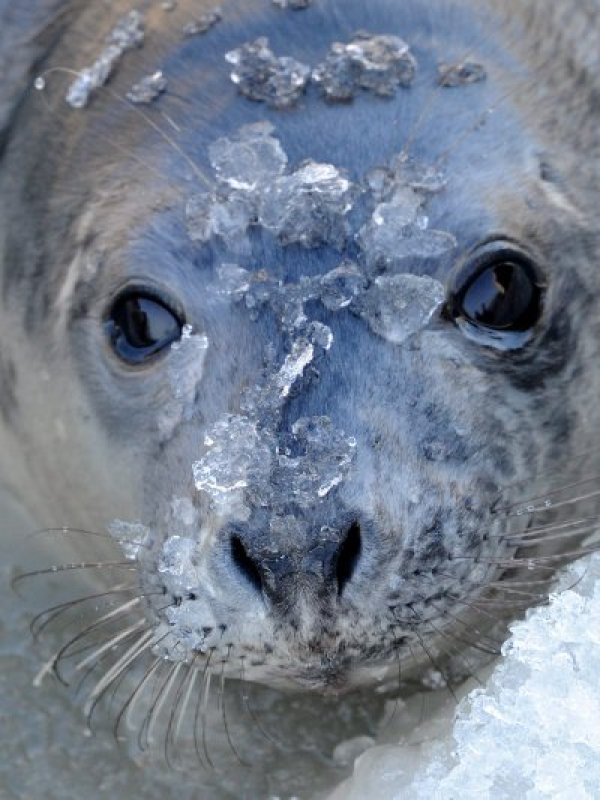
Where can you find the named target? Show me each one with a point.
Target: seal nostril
(348, 556)
(244, 563)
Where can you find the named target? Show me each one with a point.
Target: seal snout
(323, 565)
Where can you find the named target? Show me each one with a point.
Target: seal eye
(139, 326)
(501, 301)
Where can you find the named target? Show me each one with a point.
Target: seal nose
(332, 563)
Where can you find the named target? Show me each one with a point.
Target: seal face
(317, 325)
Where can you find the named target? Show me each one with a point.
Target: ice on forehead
(247, 462)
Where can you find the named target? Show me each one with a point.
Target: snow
(531, 732)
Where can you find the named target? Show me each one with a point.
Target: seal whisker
(205, 700)
(428, 653)
(54, 612)
(475, 607)
(196, 717)
(224, 711)
(525, 505)
(111, 615)
(252, 714)
(93, 667)
(70, 567)
(108, 645)
(128, 706)
(523, 542)
(177, 708)
(536, 562)
(142, 115)
(192, 676)
(159, 703)
(396, 643)
(492, 649)
(131, 654)
(435, 92)
(582, 525)
(456, 651)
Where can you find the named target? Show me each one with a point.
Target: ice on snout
(294, 365)
(127, 34)
(264, 77)
(236, 454)
(177, 558)
(398, 306)
(325, 457)
(130, 535)
(378, 63)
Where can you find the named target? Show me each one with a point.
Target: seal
(299, 318)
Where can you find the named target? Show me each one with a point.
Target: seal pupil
(140, 326)
(503, 296)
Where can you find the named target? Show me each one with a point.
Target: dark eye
(139, 326)
(502, 300)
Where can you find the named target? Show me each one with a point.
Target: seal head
(314, 326)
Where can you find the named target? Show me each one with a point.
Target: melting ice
(148, 89)
(380, 64)
(262, 76)
(127, 34)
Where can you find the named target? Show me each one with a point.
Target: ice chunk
(404, 173)
(184, 511)
(179, 564)
(185, 369)
(308, 206)
(233, 280)
(294, 4)
(177, 555)
(318, 460)
(148, 89)
(397, 306)
(341, 286)
(224, 217)
(249, 159)
(531, 732)
(421, 177)
(187, 362)
(264, 77)
(294, 365)
(236, 449)
(378, 63)
(461, 74)
(203, 23)
(128, 33)
(398, 229)
(130, 535)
